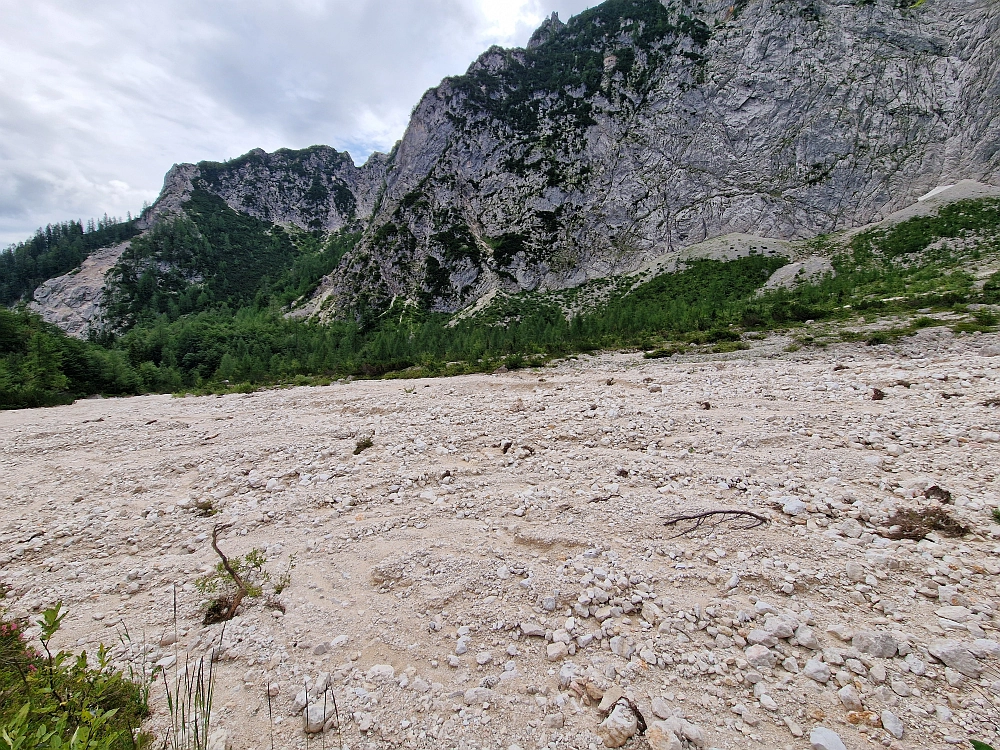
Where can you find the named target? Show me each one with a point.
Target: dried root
(737, 520)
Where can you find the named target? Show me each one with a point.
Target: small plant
(363, 444)
(189, 704)
(995, 513)
(205, 507)
(977, 745)
(986, 317)
(284, 580)
(235, 579)
(60, 701)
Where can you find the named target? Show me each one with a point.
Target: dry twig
(738, 520)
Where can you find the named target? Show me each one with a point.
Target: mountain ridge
(634, 130)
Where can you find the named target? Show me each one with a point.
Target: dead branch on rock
(737, 520)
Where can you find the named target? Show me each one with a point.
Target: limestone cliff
(634, 130)
(637, 128)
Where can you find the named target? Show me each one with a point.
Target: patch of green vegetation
(62, 701)
(42, 366)
(55, 250)
(569, 65)
(952, 221)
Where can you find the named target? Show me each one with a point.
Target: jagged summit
(550, 26)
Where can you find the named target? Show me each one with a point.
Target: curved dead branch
(736, 520)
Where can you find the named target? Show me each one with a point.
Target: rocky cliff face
(638, 128)
(317, 188)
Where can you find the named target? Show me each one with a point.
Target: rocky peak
(550, 26)
(639, 128)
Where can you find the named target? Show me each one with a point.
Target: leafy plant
(59, 700)
(237, 578)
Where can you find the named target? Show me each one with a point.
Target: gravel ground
(495, 570)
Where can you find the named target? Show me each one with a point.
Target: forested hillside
(186, 334)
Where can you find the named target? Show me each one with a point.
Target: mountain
(612, 141)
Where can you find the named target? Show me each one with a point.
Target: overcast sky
(99, 97)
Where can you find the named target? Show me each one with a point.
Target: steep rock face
(314, 188)
(638, 128)
(73, 301)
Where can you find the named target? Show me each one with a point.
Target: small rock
(849, 698)
(985, 648)
(781, 626)
(874, 643)
(953, 613)
(556, 651)
(794, 507)
(841, 632)
(619, 727)
(316, 717)
(793, 727)
(661, 709)
(483, 658)
(651, 613)
(478, 695)
(817, 670)
(822, 738)
(900, 688)
(611, 696)
(380, 673)
(760, 656)
(855, 572)
(554, 721)
(892, 724)
(660, 737)
(955, 655)
(805, 636)
(532, 630)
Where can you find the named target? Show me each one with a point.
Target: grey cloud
(98, 99)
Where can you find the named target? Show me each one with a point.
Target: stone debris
(619, 727)
(455, 583)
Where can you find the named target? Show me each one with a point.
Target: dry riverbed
(495, 568)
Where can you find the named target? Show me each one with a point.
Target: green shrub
(60, 700)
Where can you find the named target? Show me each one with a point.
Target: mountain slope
(638, 128)
(634, 130)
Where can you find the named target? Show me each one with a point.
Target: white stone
(620, 726)
(822, 738)
(892, 724)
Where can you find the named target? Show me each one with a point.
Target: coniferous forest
(199, 304)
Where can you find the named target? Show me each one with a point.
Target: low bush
(61, 700)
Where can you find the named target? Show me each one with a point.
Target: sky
(98, 98)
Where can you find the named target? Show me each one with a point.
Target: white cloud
(99, 98)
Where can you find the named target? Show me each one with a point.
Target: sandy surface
(491, 507)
